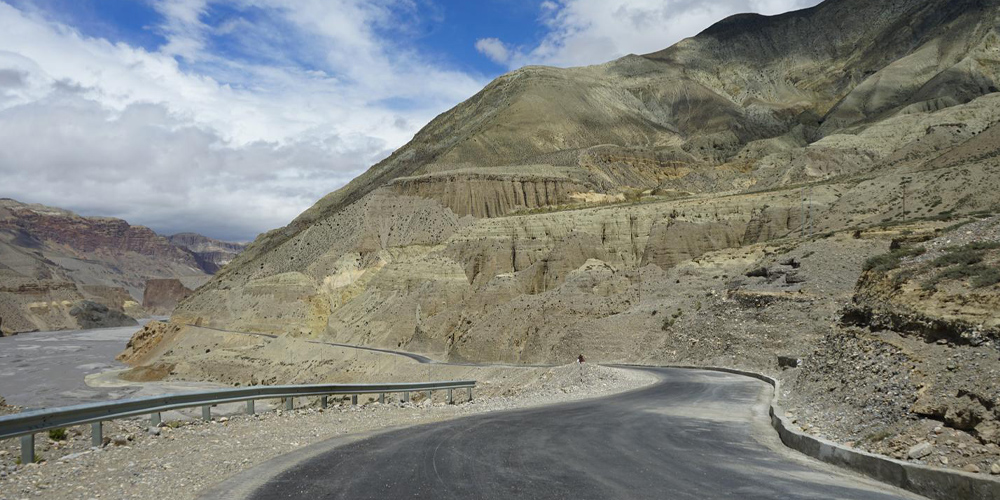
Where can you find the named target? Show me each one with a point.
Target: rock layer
(52, 259)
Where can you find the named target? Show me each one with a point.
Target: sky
(230, 117)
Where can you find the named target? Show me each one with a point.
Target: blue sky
(443, 31)
(230, 117)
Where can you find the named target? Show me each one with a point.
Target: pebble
(971, 468)
(995, 468)
(920, 450)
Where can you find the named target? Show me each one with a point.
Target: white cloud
(183, 138)
(494, 49)
(149, 166)
(582, 32)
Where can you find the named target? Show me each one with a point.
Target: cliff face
(52, 261)
(90, 234)
(161, 296)
(211, 254)
(485, 195)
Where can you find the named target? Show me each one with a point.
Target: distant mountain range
(52, 260)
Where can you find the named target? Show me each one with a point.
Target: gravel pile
(185, 457)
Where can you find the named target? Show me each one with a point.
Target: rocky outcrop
(161, 296)
(673, 242)
(115, 297)
(144, 342)
(93, 315)
(481, 194)
(944, 289)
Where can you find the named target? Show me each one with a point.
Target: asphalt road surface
(695, 435)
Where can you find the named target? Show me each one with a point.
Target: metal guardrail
(27, 424)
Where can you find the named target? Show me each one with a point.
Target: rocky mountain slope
(715, 202)
(59, 270)
(210, 253)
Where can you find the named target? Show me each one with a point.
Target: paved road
(696, 435)
(416, 357)
(419, 358)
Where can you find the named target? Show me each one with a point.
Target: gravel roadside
(185, 457)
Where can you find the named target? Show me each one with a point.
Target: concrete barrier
(931, 482)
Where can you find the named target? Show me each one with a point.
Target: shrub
(988, 277)
(981, 276)
(982, 245)
(958, 257)
(632, 195)
(57, 434)
(882, 263)
(889, 261)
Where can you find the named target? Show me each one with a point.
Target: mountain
(54, 262)
(211, 254)
(725, 201)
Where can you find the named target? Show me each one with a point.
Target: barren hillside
(716, 202)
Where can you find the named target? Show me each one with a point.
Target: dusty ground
(186, 457)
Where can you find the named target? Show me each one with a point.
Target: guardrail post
(154, 419)
(381, 398)
(354, 400)
(250, 408)
(470, 394)
(97, 434)
(28, 449)
(206, 412)
(289, 404)
(451, 400)
(324, 401)
(406, 397)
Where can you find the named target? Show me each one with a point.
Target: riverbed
(46, 369)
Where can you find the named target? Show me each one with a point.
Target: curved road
(419, 358)
(695, 435)
(416, 357)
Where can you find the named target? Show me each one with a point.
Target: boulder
(90, 314)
